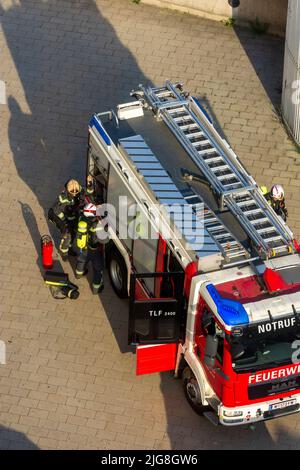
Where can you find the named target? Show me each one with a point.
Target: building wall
(215, 9)
(291, 74)
(267, 11)
(273, 12)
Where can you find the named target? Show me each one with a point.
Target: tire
(192, 392)
(117, 271)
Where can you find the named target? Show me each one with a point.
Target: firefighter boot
(79, 275)
(81, 269)
(98, 284)
(98, 288)
(64, 245)
(96, 258)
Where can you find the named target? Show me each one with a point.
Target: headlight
(231, 413)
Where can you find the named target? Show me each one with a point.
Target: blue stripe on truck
(94, 122)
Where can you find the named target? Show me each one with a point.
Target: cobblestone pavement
(69, 381)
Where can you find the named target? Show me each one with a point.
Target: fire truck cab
(211, 272)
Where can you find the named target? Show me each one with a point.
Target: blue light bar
(231, 311)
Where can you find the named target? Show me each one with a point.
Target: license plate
(282, 404)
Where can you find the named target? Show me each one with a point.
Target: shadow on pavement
(189, 431)
(266, 54)
(15, 440)
(33, 229)
(65, 80)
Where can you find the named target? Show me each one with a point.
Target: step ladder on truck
(214, 284)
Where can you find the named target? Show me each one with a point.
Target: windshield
(253, 351)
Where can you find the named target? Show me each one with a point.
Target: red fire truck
(214, 293)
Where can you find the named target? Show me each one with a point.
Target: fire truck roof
(242, 300)
(172, 146)
(160, 158)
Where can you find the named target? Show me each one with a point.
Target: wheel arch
(205, 389)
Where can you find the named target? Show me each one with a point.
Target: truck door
(155, 318)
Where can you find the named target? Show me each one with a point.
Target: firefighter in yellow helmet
(275, 198)
(66, 210)
(90, 238)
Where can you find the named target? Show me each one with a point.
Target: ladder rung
(253, 211)
(219, 168)
(208, 221)
(177, 110)
(208, 151)
(163, 94)
(157, 89)
(194, 134)
(259, 221)
(217, 228)
(273, 239)
(226, 177)
(207, 214)
(223, 235)
(266, 229)
(213, 159)
(183, 117)
(203, 153)
(236, 254)
(231, 245)
(200, 142)
(186, 127)
(248, 202)
(192, 196)
(236, 185)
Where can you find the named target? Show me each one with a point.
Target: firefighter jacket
(66, 207)
(278, 206)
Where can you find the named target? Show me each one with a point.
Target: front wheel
(117, 271)
(192, 392)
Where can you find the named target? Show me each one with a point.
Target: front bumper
(259, 411)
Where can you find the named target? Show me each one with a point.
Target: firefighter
(66, 210)
(275, 198)
(89, 246)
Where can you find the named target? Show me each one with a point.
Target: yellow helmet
(264, 190)
(73, 187)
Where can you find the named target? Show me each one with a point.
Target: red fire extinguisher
(47, 251)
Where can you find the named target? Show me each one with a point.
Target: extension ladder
(235, 188)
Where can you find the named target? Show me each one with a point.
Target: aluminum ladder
(236, 189)
(232, 250)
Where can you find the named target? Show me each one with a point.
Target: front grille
(274, 387)
(281, 411)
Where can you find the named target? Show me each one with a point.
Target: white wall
(215, 9)
(267, 11)
(291, 74)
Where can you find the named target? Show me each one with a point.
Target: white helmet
(277, 192)
(89, 210)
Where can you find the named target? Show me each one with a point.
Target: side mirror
(211, 348)
(237, 351)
